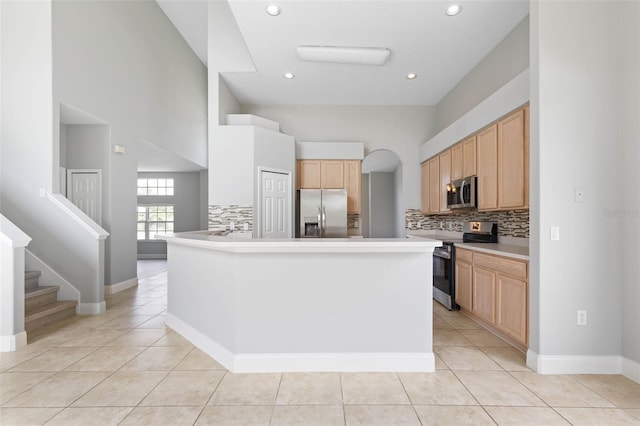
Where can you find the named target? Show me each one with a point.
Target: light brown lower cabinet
(494, 289)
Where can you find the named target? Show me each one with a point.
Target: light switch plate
(555, 233)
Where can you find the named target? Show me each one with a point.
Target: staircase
(41, 305)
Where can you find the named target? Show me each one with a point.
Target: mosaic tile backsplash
(511, 223)
(221, 216)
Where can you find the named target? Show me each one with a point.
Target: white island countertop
(243, 244)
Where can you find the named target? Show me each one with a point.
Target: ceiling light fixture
(289, 75)
(344, 55)
(273, 10)
(412, 76)
(453, 10)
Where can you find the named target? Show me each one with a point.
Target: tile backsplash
(221, 216)
(511, 223)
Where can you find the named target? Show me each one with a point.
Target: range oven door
(443, 276)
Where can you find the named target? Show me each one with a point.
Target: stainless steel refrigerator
(322, 213)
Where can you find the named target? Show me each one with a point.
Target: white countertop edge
(506, 250)
(323, 245)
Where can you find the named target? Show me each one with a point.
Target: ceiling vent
(344, 55)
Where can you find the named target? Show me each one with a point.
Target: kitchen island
(304, 304)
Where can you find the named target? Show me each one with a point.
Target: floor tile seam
(529, 388)
(143, 398)
(30, 387)
(466, 387)
(216, 387)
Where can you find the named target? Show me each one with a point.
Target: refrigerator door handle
(319, 222)
(324, 221)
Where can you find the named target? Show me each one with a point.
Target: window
(154, 220)
(155, 187)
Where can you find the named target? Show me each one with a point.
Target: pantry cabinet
(494, 289)
(332, 174)
(353, 182)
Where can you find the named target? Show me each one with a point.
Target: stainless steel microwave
(462, 193)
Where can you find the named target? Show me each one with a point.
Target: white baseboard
(631, 369)
(91, 308)
(578, 364)
(118, 287)
(303, 362)
(14, 342)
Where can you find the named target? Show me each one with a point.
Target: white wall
(577, 77)
(400, 129)
(125, 63)
(508, 59)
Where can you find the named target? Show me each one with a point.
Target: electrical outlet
(245, 226)
(578, 194)
(582, 317)
(232, 226)
(555, 233)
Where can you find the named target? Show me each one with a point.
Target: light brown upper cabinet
(424, 187)
(352, 184)
(434, 185)
(457, 162)
(513, 162)
(333, 174)
(463, 159)
(487, 168)
(309, 173)
(445, 178)
(469, 157)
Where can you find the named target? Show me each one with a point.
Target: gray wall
(401, 129)
(382, 217)
(27, 163)
(187, 210)
(126, 64)
(508, 59)
(629, 89)
(581, 107)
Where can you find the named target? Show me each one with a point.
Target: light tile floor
(125, 367)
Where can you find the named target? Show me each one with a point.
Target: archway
(382, 206)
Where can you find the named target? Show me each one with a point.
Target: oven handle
(439, 254)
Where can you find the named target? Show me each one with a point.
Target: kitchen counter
(259, 305)
(517, 248)
(508, 250)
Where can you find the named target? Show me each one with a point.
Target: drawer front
(464, 255)
(517, 268)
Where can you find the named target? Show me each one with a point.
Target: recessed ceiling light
(273, 10)
(289, 76)
(412, 76)
(453, 10)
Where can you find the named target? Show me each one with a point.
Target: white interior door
(275, 212)
(84, 190)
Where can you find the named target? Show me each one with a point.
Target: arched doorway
(382, 209)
